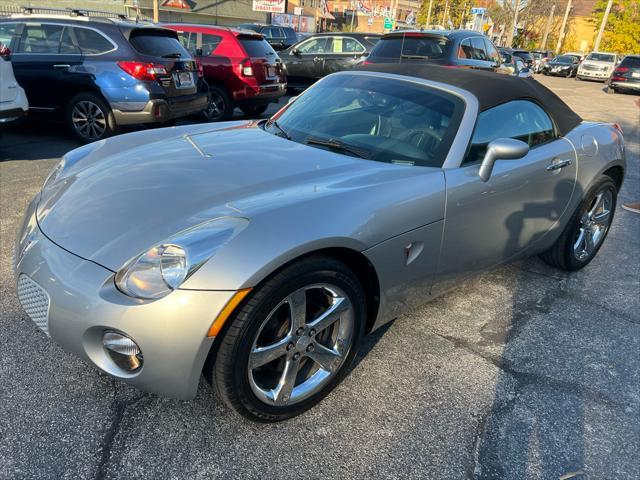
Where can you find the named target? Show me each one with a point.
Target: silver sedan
(260, 253)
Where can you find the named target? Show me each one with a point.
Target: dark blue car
(97, 74)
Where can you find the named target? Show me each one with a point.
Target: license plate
(271, 71)
(635, 74)
(184, 80)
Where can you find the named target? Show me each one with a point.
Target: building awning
(326, 15)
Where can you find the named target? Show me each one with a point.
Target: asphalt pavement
(522, 373)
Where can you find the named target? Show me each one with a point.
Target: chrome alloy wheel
(594, 223)
(89, 120)
(301, 345)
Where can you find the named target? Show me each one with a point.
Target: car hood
(597, 63)
(134, 191)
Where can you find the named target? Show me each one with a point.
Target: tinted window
(371, 40)
(7, 31)
(465, 50)
(384, 120)
(631, 62)
(394, 48)
(91, 42)
(316, 45)
(519, 119)
(210, 43)
(290, 33)
(188, 41)
(492, 53)
(601, 57)
(256, 47)
(156, 43)
(273, 32)
(526, 56)
(40, 38)
(565, 59)
(478, 49)
(67, 45)
(349, 45)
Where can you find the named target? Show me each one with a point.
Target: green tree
(622, 33)
(457, 11)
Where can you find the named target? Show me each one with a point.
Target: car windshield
(563, 59)
(378, 119)
(601, 57)
(397, 48)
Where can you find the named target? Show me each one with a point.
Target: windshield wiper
(172, 55)
(338, 145)
(283, 133)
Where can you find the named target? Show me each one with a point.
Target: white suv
(13, 101)
(597, 66)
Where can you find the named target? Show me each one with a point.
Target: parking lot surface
(524, 372)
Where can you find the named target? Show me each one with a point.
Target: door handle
(62, 66)
(317, 59)
(557, 164)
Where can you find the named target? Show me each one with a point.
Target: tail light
(142, 70)
(200, 68)
(621, 70)
(367, 62)
(5, 52)
(246, 69)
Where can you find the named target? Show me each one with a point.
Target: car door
(345, 53)
(44, 55)
(488, 223)
(305, 61)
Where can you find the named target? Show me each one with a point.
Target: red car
(242, 69)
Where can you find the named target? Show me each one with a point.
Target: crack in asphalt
(118, 408)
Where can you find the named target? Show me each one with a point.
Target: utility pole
(548, 27)
(564, 25)
(429, 14)
(444, 12)
(603, 25)
(354, 5)
(156, 11)
(515, 24)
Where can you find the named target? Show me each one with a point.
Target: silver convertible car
(261, 252)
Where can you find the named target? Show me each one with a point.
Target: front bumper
(12, 117)
(83, 303)
(161, 110)
(593, 75)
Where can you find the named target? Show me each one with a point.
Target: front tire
(292, 341)
(89, 118)
(586, 230)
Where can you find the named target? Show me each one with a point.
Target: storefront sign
(270, 6)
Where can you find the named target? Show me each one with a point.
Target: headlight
(164, 267)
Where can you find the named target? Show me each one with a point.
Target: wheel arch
(616, 173)
(357, 262)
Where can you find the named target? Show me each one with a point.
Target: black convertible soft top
(489, 88)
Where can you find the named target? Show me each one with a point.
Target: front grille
(35, 302)
(596, 68)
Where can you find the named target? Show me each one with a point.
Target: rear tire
(567, 253)
(254, 386)
(89, 118)
(220, 106)
(254, 111)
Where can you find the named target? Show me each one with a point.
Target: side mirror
(501, 149)
(295, 52)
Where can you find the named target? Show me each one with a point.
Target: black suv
(98, 73)
(453, 48)
(279, 37)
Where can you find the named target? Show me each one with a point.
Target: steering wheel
(423, 138)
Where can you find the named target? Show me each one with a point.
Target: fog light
(124, 352)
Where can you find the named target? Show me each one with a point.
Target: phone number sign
(271, 6)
